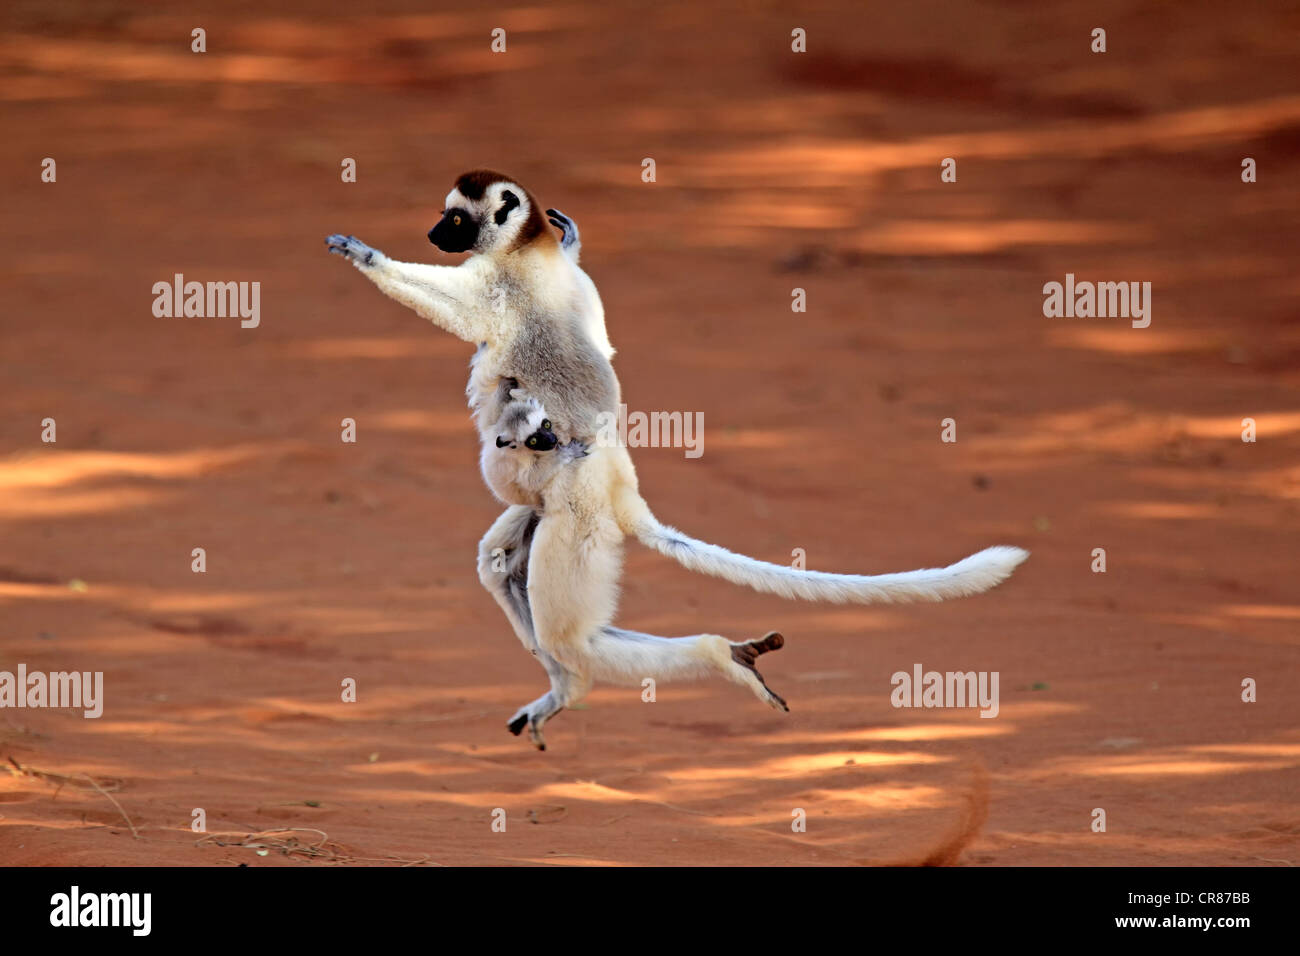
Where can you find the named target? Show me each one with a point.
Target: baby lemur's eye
(455, 220)
(546, 424)
(532, 441)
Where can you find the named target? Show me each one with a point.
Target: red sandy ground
(326, 561)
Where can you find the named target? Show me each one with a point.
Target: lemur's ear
(510, 202)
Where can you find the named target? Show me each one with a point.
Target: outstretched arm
(448, 296)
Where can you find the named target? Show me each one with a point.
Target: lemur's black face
(457, 231)
(541, 440)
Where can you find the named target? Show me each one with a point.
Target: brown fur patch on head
(473, 186)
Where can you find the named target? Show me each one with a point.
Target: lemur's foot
(533, 716)
(746, 653)
(352, 248)
(567, 227)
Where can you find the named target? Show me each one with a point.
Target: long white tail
(972, 575)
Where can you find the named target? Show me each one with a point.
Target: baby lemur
(520, 463)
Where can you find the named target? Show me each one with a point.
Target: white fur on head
(520, 419)
(506, 214)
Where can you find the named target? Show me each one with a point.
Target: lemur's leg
(448, 296)
(570, 241)
(573, 584)
(569, 688)
(503, 568)
(573, 575)
(503, 558)
(629, 657)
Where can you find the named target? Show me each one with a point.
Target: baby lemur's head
(488, 214)
(524, 425)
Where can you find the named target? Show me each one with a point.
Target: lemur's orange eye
(455, 220)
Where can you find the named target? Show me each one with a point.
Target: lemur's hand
(573, 450)
(353, 249)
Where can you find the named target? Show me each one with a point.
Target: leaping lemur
(538, 323)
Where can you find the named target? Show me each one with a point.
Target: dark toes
(517, 725)
(745, 654)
